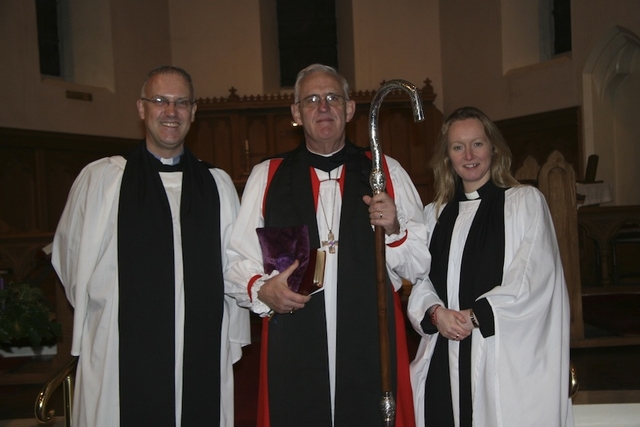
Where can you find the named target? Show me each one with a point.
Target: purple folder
(281, 246)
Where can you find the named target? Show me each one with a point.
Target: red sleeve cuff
(399, 242)
(250, 285)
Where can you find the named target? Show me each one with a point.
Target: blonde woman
(493, 313)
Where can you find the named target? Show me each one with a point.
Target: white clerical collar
(325, 155)
(473, 195)
(170, 161)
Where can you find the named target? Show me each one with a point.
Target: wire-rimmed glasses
(162, 102)
(332, 99)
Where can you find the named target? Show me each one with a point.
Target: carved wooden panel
(37, 170)
(262, 126)
(287, 137)
(18, 187)
(255, 147)
(603, 224)
(358, 129)
(538, 135)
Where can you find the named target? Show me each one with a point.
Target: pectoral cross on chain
(331, 243)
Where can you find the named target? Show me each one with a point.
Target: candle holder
(247, 153)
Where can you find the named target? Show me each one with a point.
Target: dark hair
(169, 69)
(445, 176)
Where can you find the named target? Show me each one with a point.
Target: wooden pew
(556, 180)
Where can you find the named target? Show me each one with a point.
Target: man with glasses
(321, 353)
(140, 249)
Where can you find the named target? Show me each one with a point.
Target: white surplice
(85, 257)
(408, 260)
(519, 376)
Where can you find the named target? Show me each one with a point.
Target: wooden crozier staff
(378, 183)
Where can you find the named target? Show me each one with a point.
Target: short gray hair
(169, 69)
(322, 68)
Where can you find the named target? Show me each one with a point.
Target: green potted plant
(25, 316)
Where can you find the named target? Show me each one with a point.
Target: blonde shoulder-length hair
(445, 177)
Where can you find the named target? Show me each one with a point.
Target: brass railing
(574, 385)
(66, 377)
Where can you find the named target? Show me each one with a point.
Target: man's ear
(140, 105)
(194, 107)
(350, 109)
(295, 113)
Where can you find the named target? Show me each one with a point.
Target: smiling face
(324, 125)
(470, 151)
(166, 126)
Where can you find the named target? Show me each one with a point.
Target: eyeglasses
(332, 99)
(161, 102)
